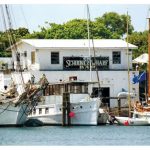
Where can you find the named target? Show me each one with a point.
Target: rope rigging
(31, 95)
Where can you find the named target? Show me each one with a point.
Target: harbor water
(76, 136)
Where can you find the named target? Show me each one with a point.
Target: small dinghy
(132, 121)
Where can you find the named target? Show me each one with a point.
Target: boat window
(18, 56)
(51, 90)
(85, 88)
(54, 57)
(34, 111)
(40, 110)
(46, 110)
(78, 88)
(60, 109)
(116, 56)
(72, 107)
(57, 89)
(81, 107)
(136, 116)
(46, 92)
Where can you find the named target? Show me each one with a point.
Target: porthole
(72, 107)
(81, 107)
(60, 109)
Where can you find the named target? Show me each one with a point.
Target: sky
(33, 15)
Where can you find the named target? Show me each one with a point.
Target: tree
(76, 29)
(55, 31)
(4, 39)
(139, 39)
(109, 26)
(21, 32)
(115, 24)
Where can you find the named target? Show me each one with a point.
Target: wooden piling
(119, 106)
(68, 112)
(66, 109)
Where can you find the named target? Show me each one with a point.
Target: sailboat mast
(88, 29)
(129, 99)
(148, 58)
(13, 38)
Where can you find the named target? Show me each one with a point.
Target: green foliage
(5, 54)
(5, 37)
(114, 25)
(139, 39)
(109, 26)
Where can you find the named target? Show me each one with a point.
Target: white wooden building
(60, 59)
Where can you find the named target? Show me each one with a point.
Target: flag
(135, 79)
(141, 77)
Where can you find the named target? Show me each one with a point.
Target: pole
(64, 110)
(88, 29)
(148, 58)
(119, 106)
(129, 98)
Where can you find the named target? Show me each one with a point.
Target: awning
(141, 59)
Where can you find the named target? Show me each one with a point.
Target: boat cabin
(74, 87)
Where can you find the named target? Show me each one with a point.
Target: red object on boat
(126, 123)
(71, 114)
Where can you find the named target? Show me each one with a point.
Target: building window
(25, 53)
(116, 57)
(54, 57)
(32, 57)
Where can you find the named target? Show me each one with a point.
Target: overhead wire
(22, 11)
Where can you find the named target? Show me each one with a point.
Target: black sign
(83, 63)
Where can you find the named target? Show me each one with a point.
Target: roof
(78, 43)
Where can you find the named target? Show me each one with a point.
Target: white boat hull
(86, 113)
(132, 121)
(11, 115)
